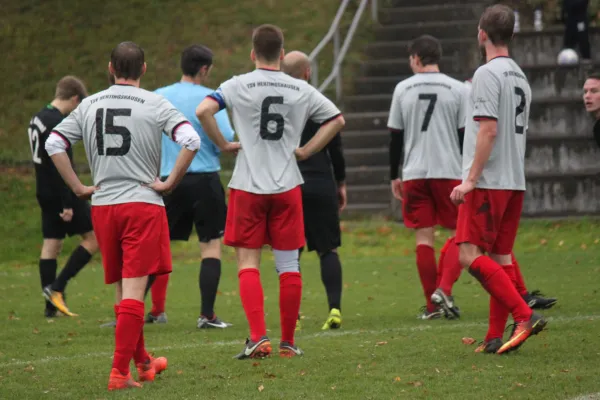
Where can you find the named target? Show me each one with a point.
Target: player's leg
(418, 211)
(246, 230)
(47, 267)
(331, 276)
(286, 233)
(210, 212)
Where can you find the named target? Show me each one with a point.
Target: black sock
(331, 275)
(208, 281)
(47, 276)
(151, 279)
(79, 258)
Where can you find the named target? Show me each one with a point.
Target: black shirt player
(62, 212)
(323, 197)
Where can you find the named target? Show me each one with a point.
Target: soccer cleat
(147, 371)
(425, 315)
(118, 381)
(288, 350)
(536, 300)
(158, 319)
(523, 331)
(109, 324)
(446, 302)
(50, 312)
(57, 300)
(260, 349)
(205, 323)
(334, 321)
(490, 347)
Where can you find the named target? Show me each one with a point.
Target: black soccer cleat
(260, 349)
(446, 302)
(490, 347)
(536, 300)
(426, 315)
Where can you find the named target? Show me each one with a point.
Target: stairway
(562, 164)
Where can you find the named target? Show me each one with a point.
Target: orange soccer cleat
(148, 371)
(118, 381)
(523, 331)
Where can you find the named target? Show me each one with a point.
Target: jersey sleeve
(69, 129)
(224, 94)
(486, 94)
(168, 117)
(321, 110)
(395, 118)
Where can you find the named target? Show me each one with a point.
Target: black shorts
(198, 200)
(53, 227)
(321, 215)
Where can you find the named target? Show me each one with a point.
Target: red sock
(498, 313)
(497, 282)
(519, 282)
(140, 355)
(253, 300)
(130, 322)
(451, 269)
(427, 272)
(159, 294)
(290, 294)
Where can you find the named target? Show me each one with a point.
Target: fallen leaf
(29, 368)
(71, 334)
(261, 388)
(346, 286)
(255, 364)
(468, 341)
(596, 241)
(543, 241)
(518, 384)
(179, 372)
(269, 376)
(499, 366)
(370, 298)
(437, 370)
(302, 373)
(384, 230)
(578, 378)
(397, 379)
(561, 243)
(406, 252)
(50, 321)
(359, 366)
(415, 383)
(381, 343)
(333, 388)
(564, 370)
(583, 246)
(36, 331)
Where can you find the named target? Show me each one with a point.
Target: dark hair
(498, 22)
(127, 60)
(593, 75)
(195, 57)
(267, 41)
(70, 86)
(427, 48)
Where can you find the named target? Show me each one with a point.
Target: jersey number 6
(112, 129)
(267, 119)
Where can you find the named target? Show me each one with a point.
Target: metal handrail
(338, 54)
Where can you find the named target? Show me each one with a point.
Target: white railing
(338, 53)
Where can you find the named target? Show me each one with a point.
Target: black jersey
(319, 165)
(51, 190)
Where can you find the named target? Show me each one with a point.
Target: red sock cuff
(132, 307)
(248, 271)
(425, 248)
(288, 275)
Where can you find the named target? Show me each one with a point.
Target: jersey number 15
(111, 129)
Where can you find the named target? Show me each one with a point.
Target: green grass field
(381, 352)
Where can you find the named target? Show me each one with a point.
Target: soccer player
(426, 119)
(493, 185)
(62, 212)
(591, 99)
(269, 111)
(199, 199)
(121, 129)
(323, 197)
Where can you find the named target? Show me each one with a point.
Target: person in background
(591, 100)
(575, 17)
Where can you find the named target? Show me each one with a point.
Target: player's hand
(231, 147)
(342, 196)
(458, 193)
(161, 187)
(66, 214)
(397, 188)
(301, 154)
(85, 192)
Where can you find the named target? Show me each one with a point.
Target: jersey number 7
(112, 129)
(432, 98)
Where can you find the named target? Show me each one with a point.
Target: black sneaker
(490, 347)
(425, 315)
(50, 312)
(205, 323)
(260, 349)
(536, 300)
(158, 319)
(446, 302)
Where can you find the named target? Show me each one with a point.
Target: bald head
(297, 65)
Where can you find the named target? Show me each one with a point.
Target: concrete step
(366, 121)
(530, 47)
(373, 156)
(400, 66)
(441, 30)
(557, 157)
(371, 102)
(368, 175)
(463, 49)
(365, 139)
(365, 194)
(428, 12)
(367, 210)
(408, 3)
(564, 195)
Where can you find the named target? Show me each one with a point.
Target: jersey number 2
(35, 130)
(267, 119)
(519, 129)
(112, 129)
(432, 98)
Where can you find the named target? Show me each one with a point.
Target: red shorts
(254, 220)
(427, 203)
(490, 219)
(133, 240)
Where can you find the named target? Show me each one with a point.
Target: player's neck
(271, 66)
(196, 80)
(597, 115)
(61, 106)
(127, 82)
(494, 52)
(428, 69)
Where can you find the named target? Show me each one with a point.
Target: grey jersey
(269, 110)
(499, 91)
(122, 129)
(430, 109)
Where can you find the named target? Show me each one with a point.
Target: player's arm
(206, 110)
(224, 125)
(462, 116)
(336, 155)
(67, 133)
(396, 128)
